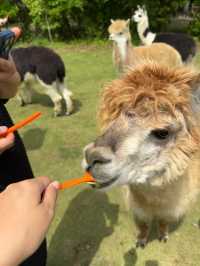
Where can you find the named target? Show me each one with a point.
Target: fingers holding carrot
(8, 141)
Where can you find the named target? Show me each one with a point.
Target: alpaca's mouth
(99, 185)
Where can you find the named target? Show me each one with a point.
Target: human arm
(26, 209)
(9, 79)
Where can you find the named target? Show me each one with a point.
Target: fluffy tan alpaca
(150, 142)
(124, 54)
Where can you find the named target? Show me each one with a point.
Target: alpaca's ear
(128, 22)
(112, 20)
(138, 7)
(144, 9)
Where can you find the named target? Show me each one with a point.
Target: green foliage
(195, 26)
(51, 14)
(8, 9)
(70, 19)
(160, 12)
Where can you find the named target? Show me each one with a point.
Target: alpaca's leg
(163, 230)
(142, 237)
(66, 94)
(143, 223)
(51, 91)
(20, 94)
(25, 93)
(128, 199)
(26, 90)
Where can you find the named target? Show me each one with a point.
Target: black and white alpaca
(41, 64)
(183, 43)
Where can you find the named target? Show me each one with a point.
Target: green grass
(92, 228)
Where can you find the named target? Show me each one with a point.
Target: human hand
(27, 209)
(9, 79)
(6, 142)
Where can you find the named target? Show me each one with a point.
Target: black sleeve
(4, 101)
(14, 163)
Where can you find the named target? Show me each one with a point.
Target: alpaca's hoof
(58, 111)
(67, 113)
(141, 243)
(56, 114)
(22, 103)
(163, 238)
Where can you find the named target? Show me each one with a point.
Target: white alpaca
(141, 18)
(183, 43)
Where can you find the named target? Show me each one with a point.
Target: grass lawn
(92, 228)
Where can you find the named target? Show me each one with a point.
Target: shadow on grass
(130, 258)
(154, 230)
(154, 234)
(77, 106)
(42, 99)
(34, 138)
(198, 224)
(151, 263)
(89, 218)
(45, 101)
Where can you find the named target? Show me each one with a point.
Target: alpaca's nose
(97, 155)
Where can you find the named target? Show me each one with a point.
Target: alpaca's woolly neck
(122, 48)
(142, 27)
(126, 53)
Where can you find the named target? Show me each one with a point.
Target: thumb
(50, 196)
(3, 129)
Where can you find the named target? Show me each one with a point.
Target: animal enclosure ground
(90, 228)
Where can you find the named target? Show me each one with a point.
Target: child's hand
(6, 142)
(9, 79)
(26, 209)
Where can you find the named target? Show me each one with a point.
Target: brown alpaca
(125, 55)
(150, 142)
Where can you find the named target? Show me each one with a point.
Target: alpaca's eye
(139, 16)
(120, 33)
(161, 134)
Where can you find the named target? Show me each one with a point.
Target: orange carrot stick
(21, 124)
(73, 182)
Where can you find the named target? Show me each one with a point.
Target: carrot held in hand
(21, 124)
(73, 182)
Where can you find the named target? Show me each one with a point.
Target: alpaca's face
(139, 15)
(119, 31)
(151, 122)
(136, 150)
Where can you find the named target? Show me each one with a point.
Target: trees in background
(85, 18)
